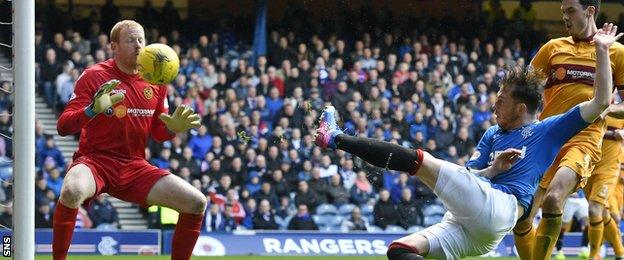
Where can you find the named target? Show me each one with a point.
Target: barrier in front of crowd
(95, 242)
(115, 242)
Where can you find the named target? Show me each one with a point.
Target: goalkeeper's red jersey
(123, 129)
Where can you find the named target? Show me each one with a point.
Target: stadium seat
(329, 229)
(106, 226)
(285, 222)
(434, 209)
(322, 220)
(335, 220)
(346, 209)
(414, 229)
(394, 229)
(278, 220)
(367, 209)
(326, 209)
(374, 229)
(430, 220)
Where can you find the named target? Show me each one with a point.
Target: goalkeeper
(117, 111)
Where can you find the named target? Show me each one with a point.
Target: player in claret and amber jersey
(570, 63)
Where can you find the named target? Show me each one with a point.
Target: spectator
(347, 173)
(55, 181)
(50, 69)
(285, 208)
(230, 220)
(102, 212)
(50, 150)
(251, 208)
(396, 192)
(362, 192)
(44, 216)
(254, 185)
(303, 220)
(65, 89)
(82, 219)
(385, 212)
(201, 143)
(40, 189)
(188, 161)
(409, 213)
(281, 187)
(6, 215)
(264, 218)
(337, 193)
(266, 193)
(306, 197)
(463, 143)
(214, 220)
(318, 186)
(356, 222)
(444, 138)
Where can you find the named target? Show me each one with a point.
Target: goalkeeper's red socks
(63, 224)
(185, 236)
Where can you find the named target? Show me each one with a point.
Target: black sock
(381, 154)
(559, 244)
(585, 240)
(402, 254)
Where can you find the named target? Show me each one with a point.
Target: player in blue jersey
(485, 200)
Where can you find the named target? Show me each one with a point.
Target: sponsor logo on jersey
(497, 153)
(121, 111)
(140, 112)
(571, 73)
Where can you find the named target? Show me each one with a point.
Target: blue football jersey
(539, 142)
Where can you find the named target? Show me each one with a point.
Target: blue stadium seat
(346, 209)
(374, 229)
(394, 229)
(322, 220)
(367, 209)
(430, 220)
(326, 209)
(326, 228)
(106, 226)
(278, 220)
(414, 229)
(285, 222)
(434, 209)
(335, 220)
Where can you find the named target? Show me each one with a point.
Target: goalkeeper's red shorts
(128, 179)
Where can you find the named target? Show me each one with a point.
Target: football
(158, 64)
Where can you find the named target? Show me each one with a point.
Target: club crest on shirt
(527, 131)
(148, 92)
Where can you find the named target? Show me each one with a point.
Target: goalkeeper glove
(102, 99)
(182, 120)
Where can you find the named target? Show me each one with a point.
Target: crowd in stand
(254, 156)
